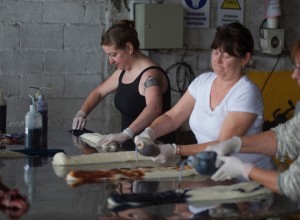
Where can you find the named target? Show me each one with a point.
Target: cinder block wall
(55, 44)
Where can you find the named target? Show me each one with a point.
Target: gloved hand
(167, 151)
(125, 135)
(147, 133)
(232, 167)
(229, 146)
(146, 147)
(145, 140)
(79, 120)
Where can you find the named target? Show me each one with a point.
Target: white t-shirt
(206, 123)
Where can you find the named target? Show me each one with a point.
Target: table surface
(50, 196)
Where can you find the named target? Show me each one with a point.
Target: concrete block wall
(53, 44)
(56, 44)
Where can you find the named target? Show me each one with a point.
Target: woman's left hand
(232, 168)
(117, 137)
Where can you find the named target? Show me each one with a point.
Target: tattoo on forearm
(150, 81)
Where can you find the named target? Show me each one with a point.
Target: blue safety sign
(197, 13)
(193, 4)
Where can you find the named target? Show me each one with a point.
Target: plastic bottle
(33, 127)
(3, 109)
(42, 107)
(203, 162)
(148, 150)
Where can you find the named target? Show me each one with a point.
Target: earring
(243, 67)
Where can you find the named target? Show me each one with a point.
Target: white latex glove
(229, 146)
(147, 133)
(167, 151)
(79, 120)
(117, 137)
(145, 139)
(232, 167)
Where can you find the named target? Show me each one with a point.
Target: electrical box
(159, 26)
(272, 41)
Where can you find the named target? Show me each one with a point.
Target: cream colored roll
(123, 156)
(93, 138)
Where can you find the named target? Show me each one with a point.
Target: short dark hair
(121, 33)
(234, 39)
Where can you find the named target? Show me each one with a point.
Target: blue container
(204, 162)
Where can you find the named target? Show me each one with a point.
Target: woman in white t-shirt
(219, 104)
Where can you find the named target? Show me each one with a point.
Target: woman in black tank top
(142, 88)
(131, 103)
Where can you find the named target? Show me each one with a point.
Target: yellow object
(278, 90)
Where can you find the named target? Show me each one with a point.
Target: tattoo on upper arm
(150, 81)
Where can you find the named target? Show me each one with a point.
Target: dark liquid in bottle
(3, 119)
(44, 141)
(33, 138)
(44, 121)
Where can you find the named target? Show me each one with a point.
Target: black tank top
(131, 103)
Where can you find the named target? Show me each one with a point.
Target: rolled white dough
(62, 171)
(122, 156)
(93, 138)
(82, 176)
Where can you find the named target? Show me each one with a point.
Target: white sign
(197, 13)
(230, 11)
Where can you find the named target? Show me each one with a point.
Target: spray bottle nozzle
(32, 99)
(40, 90)
(38, 93)
(32, 105)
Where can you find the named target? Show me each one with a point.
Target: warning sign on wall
(231, 4)
(230, 11)
(197, 13)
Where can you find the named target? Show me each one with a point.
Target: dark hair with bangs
(234, 39)
(121, 33)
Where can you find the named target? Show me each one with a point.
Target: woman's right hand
(167, 151)
(147, 133)
(224, 148)
(232, 145)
